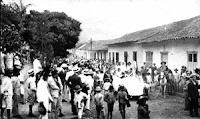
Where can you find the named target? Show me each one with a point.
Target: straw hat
(98, 89)
(76, 69)
(30, 72)
(192, 75)
(64, 65)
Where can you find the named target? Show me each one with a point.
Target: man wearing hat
(193, 95)
(79, 99)
(89, 81)
(99, 102)
(143, 108)
(62, 75)
(31, 91)
(72, 82)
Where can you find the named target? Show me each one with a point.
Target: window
(149, 58)
(101, 55)
(113, 57)
(134, 56)
(109, 56)
(95, 55)
(192, 56)
(117, 57)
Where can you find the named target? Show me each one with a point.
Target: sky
(110, 19)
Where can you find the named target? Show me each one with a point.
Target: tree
(10, 37)
(51, 29)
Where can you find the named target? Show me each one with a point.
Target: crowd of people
(86, 80)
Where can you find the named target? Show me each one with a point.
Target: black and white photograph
(100, 59)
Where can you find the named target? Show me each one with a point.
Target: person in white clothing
(55, 87)
(89, 82)
(43, 95)
(79, 99)
(2, 62)
(106, 85)
(7, 91)
(9, 61)
(31, 91)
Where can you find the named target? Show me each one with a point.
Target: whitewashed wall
(129, 47)
(177, 51)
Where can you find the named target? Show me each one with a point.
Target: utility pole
(91, 48)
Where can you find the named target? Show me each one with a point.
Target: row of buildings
(177, 43)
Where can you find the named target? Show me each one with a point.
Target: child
(99, 100)
(106, 85)
(110, 99)
(143, 108)
(122, 99)
(79, 100)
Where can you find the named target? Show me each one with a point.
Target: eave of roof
(189, 28)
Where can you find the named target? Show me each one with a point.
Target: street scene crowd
(89, 81)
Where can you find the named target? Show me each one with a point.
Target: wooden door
(135, 56)
(117, 57)
(149, 58)
(192, 60)
(164, 57)
(126, 57)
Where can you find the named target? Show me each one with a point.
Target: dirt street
(170, 108)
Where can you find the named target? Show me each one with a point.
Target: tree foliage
(51, 28)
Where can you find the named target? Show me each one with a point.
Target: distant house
(177, 43)
(96, 50)
(77, 50)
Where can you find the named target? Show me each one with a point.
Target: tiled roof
(189, 28)
(97, 45)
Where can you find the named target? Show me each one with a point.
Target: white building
(177, 43)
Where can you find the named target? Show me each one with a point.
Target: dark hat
(142, 97)
(41, 109)
(163, 62)
(176, 69)
(197, 70)
(54, 71)
(78, 88)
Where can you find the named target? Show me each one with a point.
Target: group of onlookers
(87, 80)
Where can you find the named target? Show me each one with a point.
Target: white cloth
(37, 66)
(16, 85)
(43, 95)
(149, 79)
(2, 66)
(101, 75)
(106, 85)
(7, 86)
(7, 90)
(78, 102)
(70, 73)
(9, 61)
(54, 89)
(17, 61)
(7, 102)
(31, 84)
